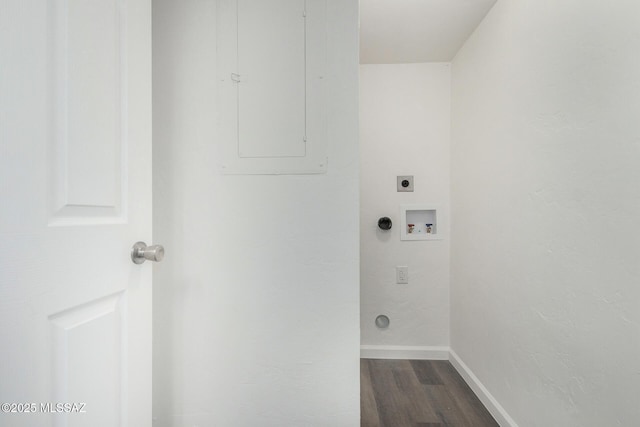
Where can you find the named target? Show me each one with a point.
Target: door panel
(84, 338)
(89, 106)
(75, 194)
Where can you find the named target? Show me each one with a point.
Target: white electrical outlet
(402, 274)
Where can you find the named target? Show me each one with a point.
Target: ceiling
(406, 31)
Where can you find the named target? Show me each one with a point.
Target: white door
(75, 195)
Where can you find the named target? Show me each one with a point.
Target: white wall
(404, 127)
(545, 208)
(256, 303)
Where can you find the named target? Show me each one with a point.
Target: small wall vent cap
(382, 321)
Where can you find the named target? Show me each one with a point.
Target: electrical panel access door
(271, 57)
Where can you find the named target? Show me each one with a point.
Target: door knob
(140, 252)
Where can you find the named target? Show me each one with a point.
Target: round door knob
(140, 252)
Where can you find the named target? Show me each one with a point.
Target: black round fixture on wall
(385, 223)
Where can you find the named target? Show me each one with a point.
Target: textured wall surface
(545, 207)
(404, 126)
(256, 303)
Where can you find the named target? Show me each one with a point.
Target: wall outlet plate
(402, 274)
(405, 183)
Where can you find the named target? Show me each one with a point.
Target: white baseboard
(487, 399)
(403, 352)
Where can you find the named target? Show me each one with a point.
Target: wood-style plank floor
(417, 393)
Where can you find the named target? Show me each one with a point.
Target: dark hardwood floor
(417, 393)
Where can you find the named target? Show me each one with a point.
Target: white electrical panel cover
(271, 59)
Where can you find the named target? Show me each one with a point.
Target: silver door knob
(141, 252)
